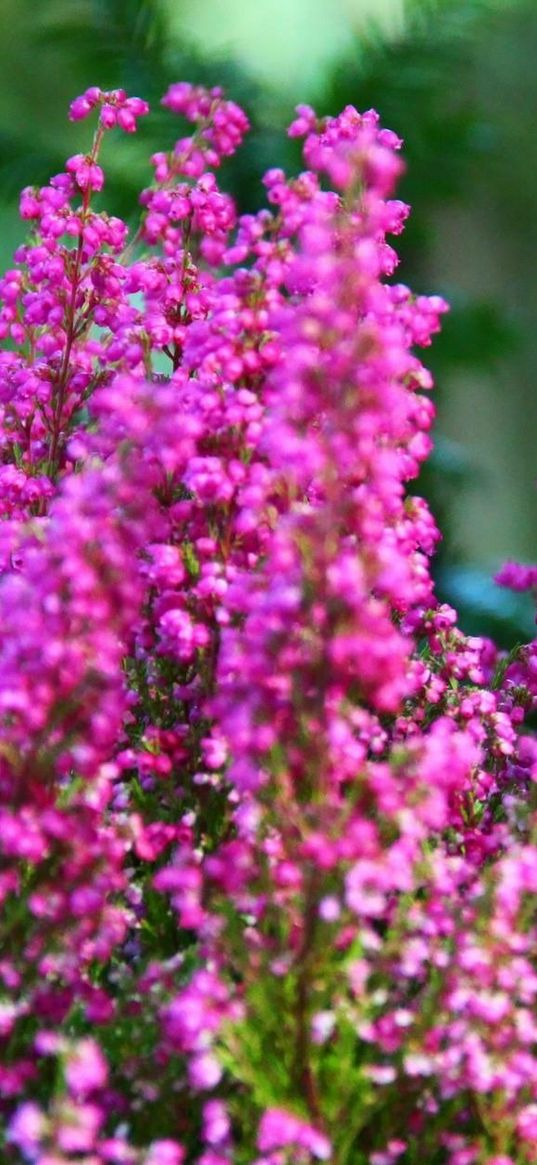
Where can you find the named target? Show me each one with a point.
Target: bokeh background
(457, 80)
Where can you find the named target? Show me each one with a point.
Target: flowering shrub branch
(267, 836)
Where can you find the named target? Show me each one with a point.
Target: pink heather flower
(216, 1122)
(117, 1151)
(116, 108)
(49, 1043)
(77, 1127)
(85, 1068)
(280, 1129)
(392, 1151)
(304, 123)
(164, 1152)
(322, 1026)
(329, 908)
(204, 1071)
(182, 97)
(27, 1129)
(88, 175)
(380, 1073)
(224, 124)
(517, 577)
(527, 1123)
(83, 105)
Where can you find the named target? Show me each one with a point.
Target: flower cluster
(268, 826)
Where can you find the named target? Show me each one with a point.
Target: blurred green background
(456, 79)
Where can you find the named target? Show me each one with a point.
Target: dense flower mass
(268, 828)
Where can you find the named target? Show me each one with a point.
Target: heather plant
(267, 830)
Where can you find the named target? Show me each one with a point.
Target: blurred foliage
(430, 82)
